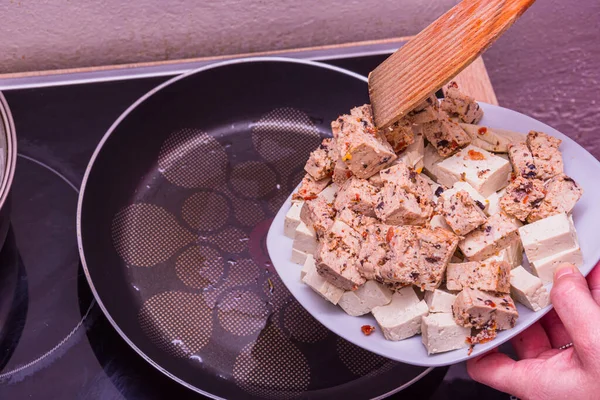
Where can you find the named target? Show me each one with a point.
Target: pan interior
(174, 218)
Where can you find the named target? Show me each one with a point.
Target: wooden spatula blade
(437, 54)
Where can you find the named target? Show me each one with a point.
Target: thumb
(576, 308)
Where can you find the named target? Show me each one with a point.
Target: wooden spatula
(437, 54)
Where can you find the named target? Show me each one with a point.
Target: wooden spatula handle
(437, 54)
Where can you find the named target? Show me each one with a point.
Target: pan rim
(99, 148)
(6, 118)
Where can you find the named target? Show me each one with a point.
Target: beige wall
(51, 34)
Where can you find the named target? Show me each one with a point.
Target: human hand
(543, 371)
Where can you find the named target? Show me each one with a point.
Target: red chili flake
(310, 197)
(525, 199)
(357, 197)
(490, 303)
(475, 155)
(348, 174)
(364, 234)
(482, 130)
(367, 329)
(390, 235)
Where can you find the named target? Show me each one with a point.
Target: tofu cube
(445, 135)
(486, 172)
(438, 221)
(364, 150)
(522, 197)
(356, 220)
(413, 155)
(546, 156)
(309, 264)
(365, 298)
(292, 219)
(475, 308)
(562, 193)
(458, 104)
(337, 257)
(298, 257)
(493, 202)
(373, 251)
(548, 236)
(321, 162)
(513, 255)
(426, 111)
(320, 285)
(401, 318)
(544, 267)
(329, 193)
(318, 214)
(436, 188)
(528, 289)
(499, 232)
(376, 180)
(474, 194)
(436, 247)
(439, 301)
(399, 135)
(490, 275)
(357, 195)
(441, 333)
(461, 212)
(341, 172)
(305, 239)
(492, 139)
(402, 265)
(310, 188)
(522, 160)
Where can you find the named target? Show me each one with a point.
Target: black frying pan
(173, 214)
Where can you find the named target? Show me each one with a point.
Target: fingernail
(563, 271)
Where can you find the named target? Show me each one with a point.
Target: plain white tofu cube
(528, 289)
(458, 186)
(440, 333)
(361, 301)
(431, 158)
(292, 219)
(438, 221)
(305, 239)
(544, 268)
(298, 257)
(329, 193)
(308, 265)
(486, 172)
(548, 236)
(413, 155)
(439, 301)
(493, 202)
(317, 283)
(401, 318)
(513, 254)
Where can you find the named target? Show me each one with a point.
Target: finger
(577, 310)
(531, 342)
(503, 373)
(555, 329)
(593, 280)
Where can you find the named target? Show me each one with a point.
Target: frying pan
(172, 218)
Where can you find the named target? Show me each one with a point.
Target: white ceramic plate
(579, 164)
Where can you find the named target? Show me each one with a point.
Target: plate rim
(272, 240)
(99, 148)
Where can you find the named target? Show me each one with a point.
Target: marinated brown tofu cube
(321, 162)
(356, 220)
(374, 250)
(436, 247)
(310, 188)
(358, 195)
(546, 156)
(522, 196)
(408, 179)
(376, 180)
(341, 172)
(461, 212)
(458, 104)
(497, 233)
(475, 308)
(318, 214)
(337, 257)
(562, 193)
(491, 275)
(403, 264)
(522, 160)
(362, 147)
(400, 135)
(445, 135)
